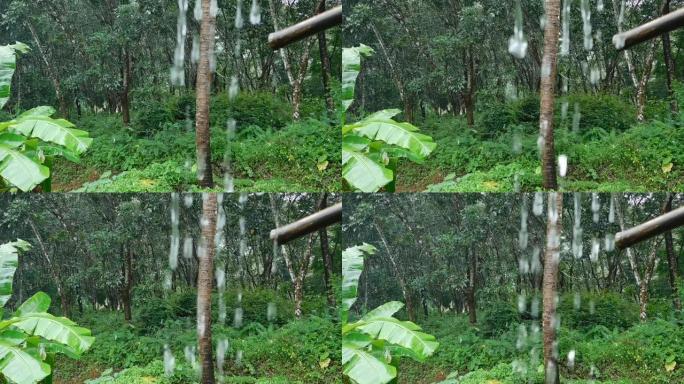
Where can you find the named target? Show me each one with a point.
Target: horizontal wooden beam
(306, 28)
(307, 225)
(651, 228)
(654, 28)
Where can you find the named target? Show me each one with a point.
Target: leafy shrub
(610, 310)
(498, 318)
(261, 109)
(608, 112)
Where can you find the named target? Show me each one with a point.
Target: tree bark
(56, 278)
(327, 259)
(298, 86)
(669, 65)
(408, 296)
(125, 101)
(205, 279)
(672, 259)
(325, 64)
(549, 288)
(470, 297)
(204, 77)
(56, 82)
(128, 283)
(548, 89)
(469, 96)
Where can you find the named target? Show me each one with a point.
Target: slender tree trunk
(408, 108)
(669, 64)
(56, 279)
(298, 86)
(205, 279)
(325, 253)
(472, 286)
(469, 97)
(56, 82)
(548, 89)
(672, 259)
(549, 288)
(284, 53)
(408, 296)
(325, 64)
(128, 283)
(125, 102)
(204, 77)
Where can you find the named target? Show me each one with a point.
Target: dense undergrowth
(609, 150)
(282, 351)
(611, 345)
(156, 153)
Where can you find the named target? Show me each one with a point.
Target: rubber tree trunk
(472, 286)
(548, 89)
(325, 64)
(204, 76)
(669, 65)
(128, 283)
(125, 101)
(205, 279)
(549, 287)
(469, 96)
(325, 253)
(672, 260)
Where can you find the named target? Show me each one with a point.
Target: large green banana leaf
(352, 266)
(9, 256)
(58, 131)
(380, 126)
(20, 170)
(363, 367)
(20, 367)
(403, 333)
(351, 67)
(59, 329)
(362, 172)
(38, 303)
(386, 310)
(8, 63)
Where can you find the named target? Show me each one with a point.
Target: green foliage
(257, 109)
(31, 337)
(498, 318)
(149, 117)
(372, 147)
(610, 310)
(370, 344)
(30, 142)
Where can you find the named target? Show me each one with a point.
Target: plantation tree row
(111, 252)
(453, 56)
(461, 253)
(114, 55)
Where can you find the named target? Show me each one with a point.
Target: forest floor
(607, 155)
(300, 157)
(288, 351)
(637, 353)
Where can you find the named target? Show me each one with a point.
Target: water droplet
(562, 165)
(255, 13)
(595, 249)
(538, 204)
(234, 88)
(517, 44)
(239, 21)
(271, 311)
(571, 359)
(237, 318)
(522, 303)
(565, 40)
(195, 54)
(586, 18)
(169, 361)
(577, 301)
(576, 117)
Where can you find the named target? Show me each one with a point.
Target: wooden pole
(306, 28)
(651, 228)
(654, 28)
(309, 224)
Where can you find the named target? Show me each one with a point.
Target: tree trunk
(128, 283)
(643, 300)
(63, 297)
(410, 308)
(204, 285)
(56, 82)
(325, 253)
(469, 97)
(297, 87)
(672, 259)
(325, 64)
(669, 64)
(549, 288)
(125, 102)
(204, 76)
(470, 297)
(548, 89)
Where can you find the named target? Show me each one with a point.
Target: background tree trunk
(669, 64)
(128, 283)
(325, 64)
(204, 76)
(325, 253)
(205, 279)
(472, 286)
(125, 101)
(548, 89)
(672, 259)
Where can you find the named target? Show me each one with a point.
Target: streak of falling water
(228, 180)
(611, 212)
(169, 361)
(221, 348)
(565, 40)
(523, 234)
(255, 13)
(195, 54)
(577, 301)
(534, 308)
(577, 227)
(521, 342)
(564, 110)
(234, 88)
(586, 18)
(188, 200)
(599, 5)
(238, 359)
(198, 10)
(595, 206)
(609, 242)
(538, 204)
(239, 21)
(271, 311)
(213, 8)
(517, 44)
(553, 240)
(571, 359)
(191, 356)
(517, 143)
(178, 68)
(522, 303)
(187, 247)
(535, 264)
(576, 117)
(237, 318)
(562, 165)
(595, 248)
(175, 231)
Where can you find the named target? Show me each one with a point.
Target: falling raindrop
(595, 206)
(523, 234)
(611, 212)
(234, 88)
(237, 318)
(239, 21)
(188, 200)
(609, 242)
(213, 8)
(517, 44)
(565, 40)
(577, 301)
(187, 247)
(576, 117)
(517, 143)
(175, 231)
(178, 68)
(191, 356)
(534, 308)
(169, 361)
(522, 303)
(571, 359)
(586, 18)
(562, 165)
(198, 10)
(535, 264)
(195, 54)
(599, 5)
(238, 359)
(538, 204)
(271, 311)
(255, 13)
(522, 336)
(564, 110)
(228, 181)
(595, 248)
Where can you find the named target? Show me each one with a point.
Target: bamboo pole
(653, 28)
(651, 228)
(309, 224)
(306, 28)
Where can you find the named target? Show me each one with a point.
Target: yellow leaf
(667, 167)
(323, 166)
(324, 363)
(493, 382)
(147, 182)
(670, 366)
(490, 185)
